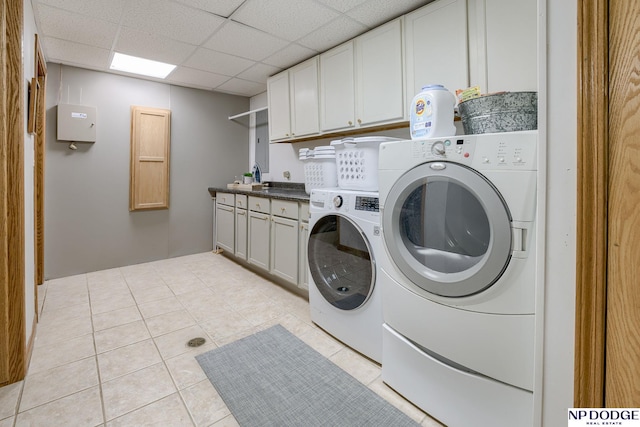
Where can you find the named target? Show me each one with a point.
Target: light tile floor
(111, 346)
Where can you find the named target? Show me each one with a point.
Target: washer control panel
(359, 204)
(369, 204)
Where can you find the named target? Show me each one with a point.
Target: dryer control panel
(509, 150)
(453, 148)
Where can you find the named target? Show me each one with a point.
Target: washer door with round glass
(447, 229)
(341, 262)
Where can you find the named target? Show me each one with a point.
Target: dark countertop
(275, 190)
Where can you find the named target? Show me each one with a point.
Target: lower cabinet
(258, 247)
(284, 248)
(241, 233)
(225, 220)
(268, 234)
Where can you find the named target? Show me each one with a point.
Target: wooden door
(12, 237)
(622, 373)
(607, 364)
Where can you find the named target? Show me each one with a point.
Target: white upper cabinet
(278, 101)
(503, 45)
(337, 88)
(292, 96)
(380, 75)
(436, 47)
(370, 81)
(303, 90)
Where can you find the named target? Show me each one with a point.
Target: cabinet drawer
(241, 201)
(284, 208)
(225, 199)
(259, 204)
(304, 212)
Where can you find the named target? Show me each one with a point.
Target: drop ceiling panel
(289, 56)
(107, 10)
(247, 42)
(196, 78)
(259, 73)
(153, 46)
(333, 34)
(377, 12)
(286, 19)
(70, 53)
(242, 87)
(218, 62)
(342, 5)
(223, 45)
(222, 8)
(172, 20)
(70, 26)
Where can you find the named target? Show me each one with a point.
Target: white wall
(88, 225)
(561, 190)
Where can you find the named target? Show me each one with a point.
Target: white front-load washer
(458, 278)
(344, 240)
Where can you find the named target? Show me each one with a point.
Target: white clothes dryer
(344, 240)
(459, 276)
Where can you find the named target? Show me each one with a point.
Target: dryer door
(341, 262)
(447, 229)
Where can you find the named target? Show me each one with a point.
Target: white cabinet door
(278, 103)
(258, 242)
(284, 248)
(225, 219)
(303, 90)
(241, 233)
(436, 47)
(303, 269)
(337, 88)
(503, 39)
(379, 75)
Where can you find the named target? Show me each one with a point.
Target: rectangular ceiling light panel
(136, 65)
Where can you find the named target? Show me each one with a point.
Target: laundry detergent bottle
(432, 113)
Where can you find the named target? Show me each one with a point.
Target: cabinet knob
(350, 122)
(359, 121)
(258, 205)
(283, 210)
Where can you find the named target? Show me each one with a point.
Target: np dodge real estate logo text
(603, 417)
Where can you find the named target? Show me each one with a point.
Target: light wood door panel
(622, 374)
(150, 151)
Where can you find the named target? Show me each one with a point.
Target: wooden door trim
(12, 232)
(39, 144)
(592, 176)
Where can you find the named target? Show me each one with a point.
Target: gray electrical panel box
(76, 123)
